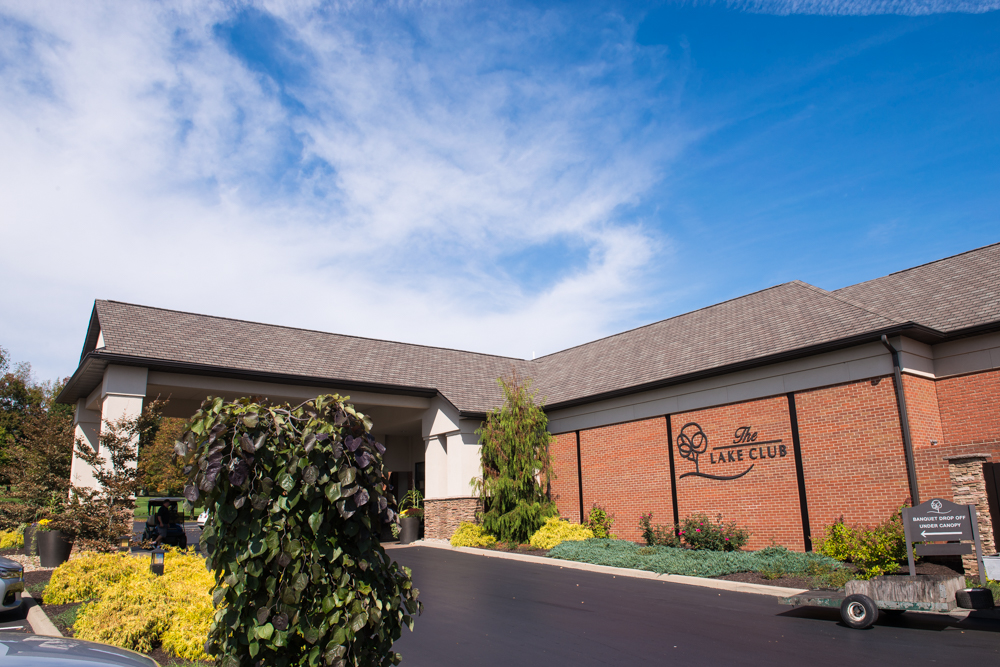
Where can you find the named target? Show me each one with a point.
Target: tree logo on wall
(692, 442)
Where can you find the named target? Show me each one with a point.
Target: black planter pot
(409, 529)
(29, 537)
(53, 547)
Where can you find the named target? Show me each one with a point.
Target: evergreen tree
(516, 468)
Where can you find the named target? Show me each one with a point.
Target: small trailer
(939, 527)
(861, 601)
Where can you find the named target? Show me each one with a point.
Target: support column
(87, 426)
(969, 488)
(120, 396)
(451, 460)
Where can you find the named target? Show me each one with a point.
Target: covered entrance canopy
(426, 403)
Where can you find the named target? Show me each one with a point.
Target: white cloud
(376, 194)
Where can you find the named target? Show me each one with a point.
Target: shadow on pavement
(988, 621)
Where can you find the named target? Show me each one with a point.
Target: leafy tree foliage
(516, 468)
(40, 458)
(20, 398)
(297, 499)
(161, 471)
(36, 445)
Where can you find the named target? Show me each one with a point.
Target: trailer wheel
(858, 611)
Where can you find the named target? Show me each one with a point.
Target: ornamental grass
(127, 606)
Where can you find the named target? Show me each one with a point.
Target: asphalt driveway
(491, 611)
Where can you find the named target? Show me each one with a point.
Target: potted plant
(29, 539)
(53, 545)
(411, 516)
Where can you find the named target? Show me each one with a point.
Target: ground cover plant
(126, 605)
(298, 497)
(515, 464)
(691, 562)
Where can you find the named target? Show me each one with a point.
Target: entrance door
(991, 473)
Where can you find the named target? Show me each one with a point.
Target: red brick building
(782, 410)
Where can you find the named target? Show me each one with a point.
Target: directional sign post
(940, 520)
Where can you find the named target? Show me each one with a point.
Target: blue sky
(513, 178)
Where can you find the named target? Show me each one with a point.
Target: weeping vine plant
(298, 498)
(516, 468)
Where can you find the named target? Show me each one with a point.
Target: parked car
(203, 519)
(27, 650)
(11, 583)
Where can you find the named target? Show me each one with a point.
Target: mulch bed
(788, 581)
(518, 548)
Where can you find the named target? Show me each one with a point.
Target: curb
(718, 584)
(37, 619)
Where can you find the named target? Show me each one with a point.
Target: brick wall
(852, 450)
(852, 453)
(970, 417)
(626, 470)
(765, 499)
(565, 489)
(925, 427)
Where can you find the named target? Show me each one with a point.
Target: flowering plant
(46, 524)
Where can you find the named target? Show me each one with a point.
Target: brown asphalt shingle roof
(952, 294)
(171, 336)
(786, 317)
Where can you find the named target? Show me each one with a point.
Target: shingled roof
(191, 340)
(930, 302)
(958, 292)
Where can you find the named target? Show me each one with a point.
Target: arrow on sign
(925, 533)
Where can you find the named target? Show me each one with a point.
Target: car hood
(41, 651)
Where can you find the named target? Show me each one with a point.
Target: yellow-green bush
(128, 606)
(556, 530)
(11, 539)
(471, 535)
(90, 576)
(874, 550)
(132, 614)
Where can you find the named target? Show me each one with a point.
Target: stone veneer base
(442, 515)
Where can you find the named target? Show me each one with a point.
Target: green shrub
(873, 550)
(698, 532)
(599, 521)
(657, 535)
(692, 562)
(471, 535)
(515, 465)
(297, 498)
(555, 531)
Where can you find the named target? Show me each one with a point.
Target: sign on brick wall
(729, 460)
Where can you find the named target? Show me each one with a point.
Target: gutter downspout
(904, 422)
